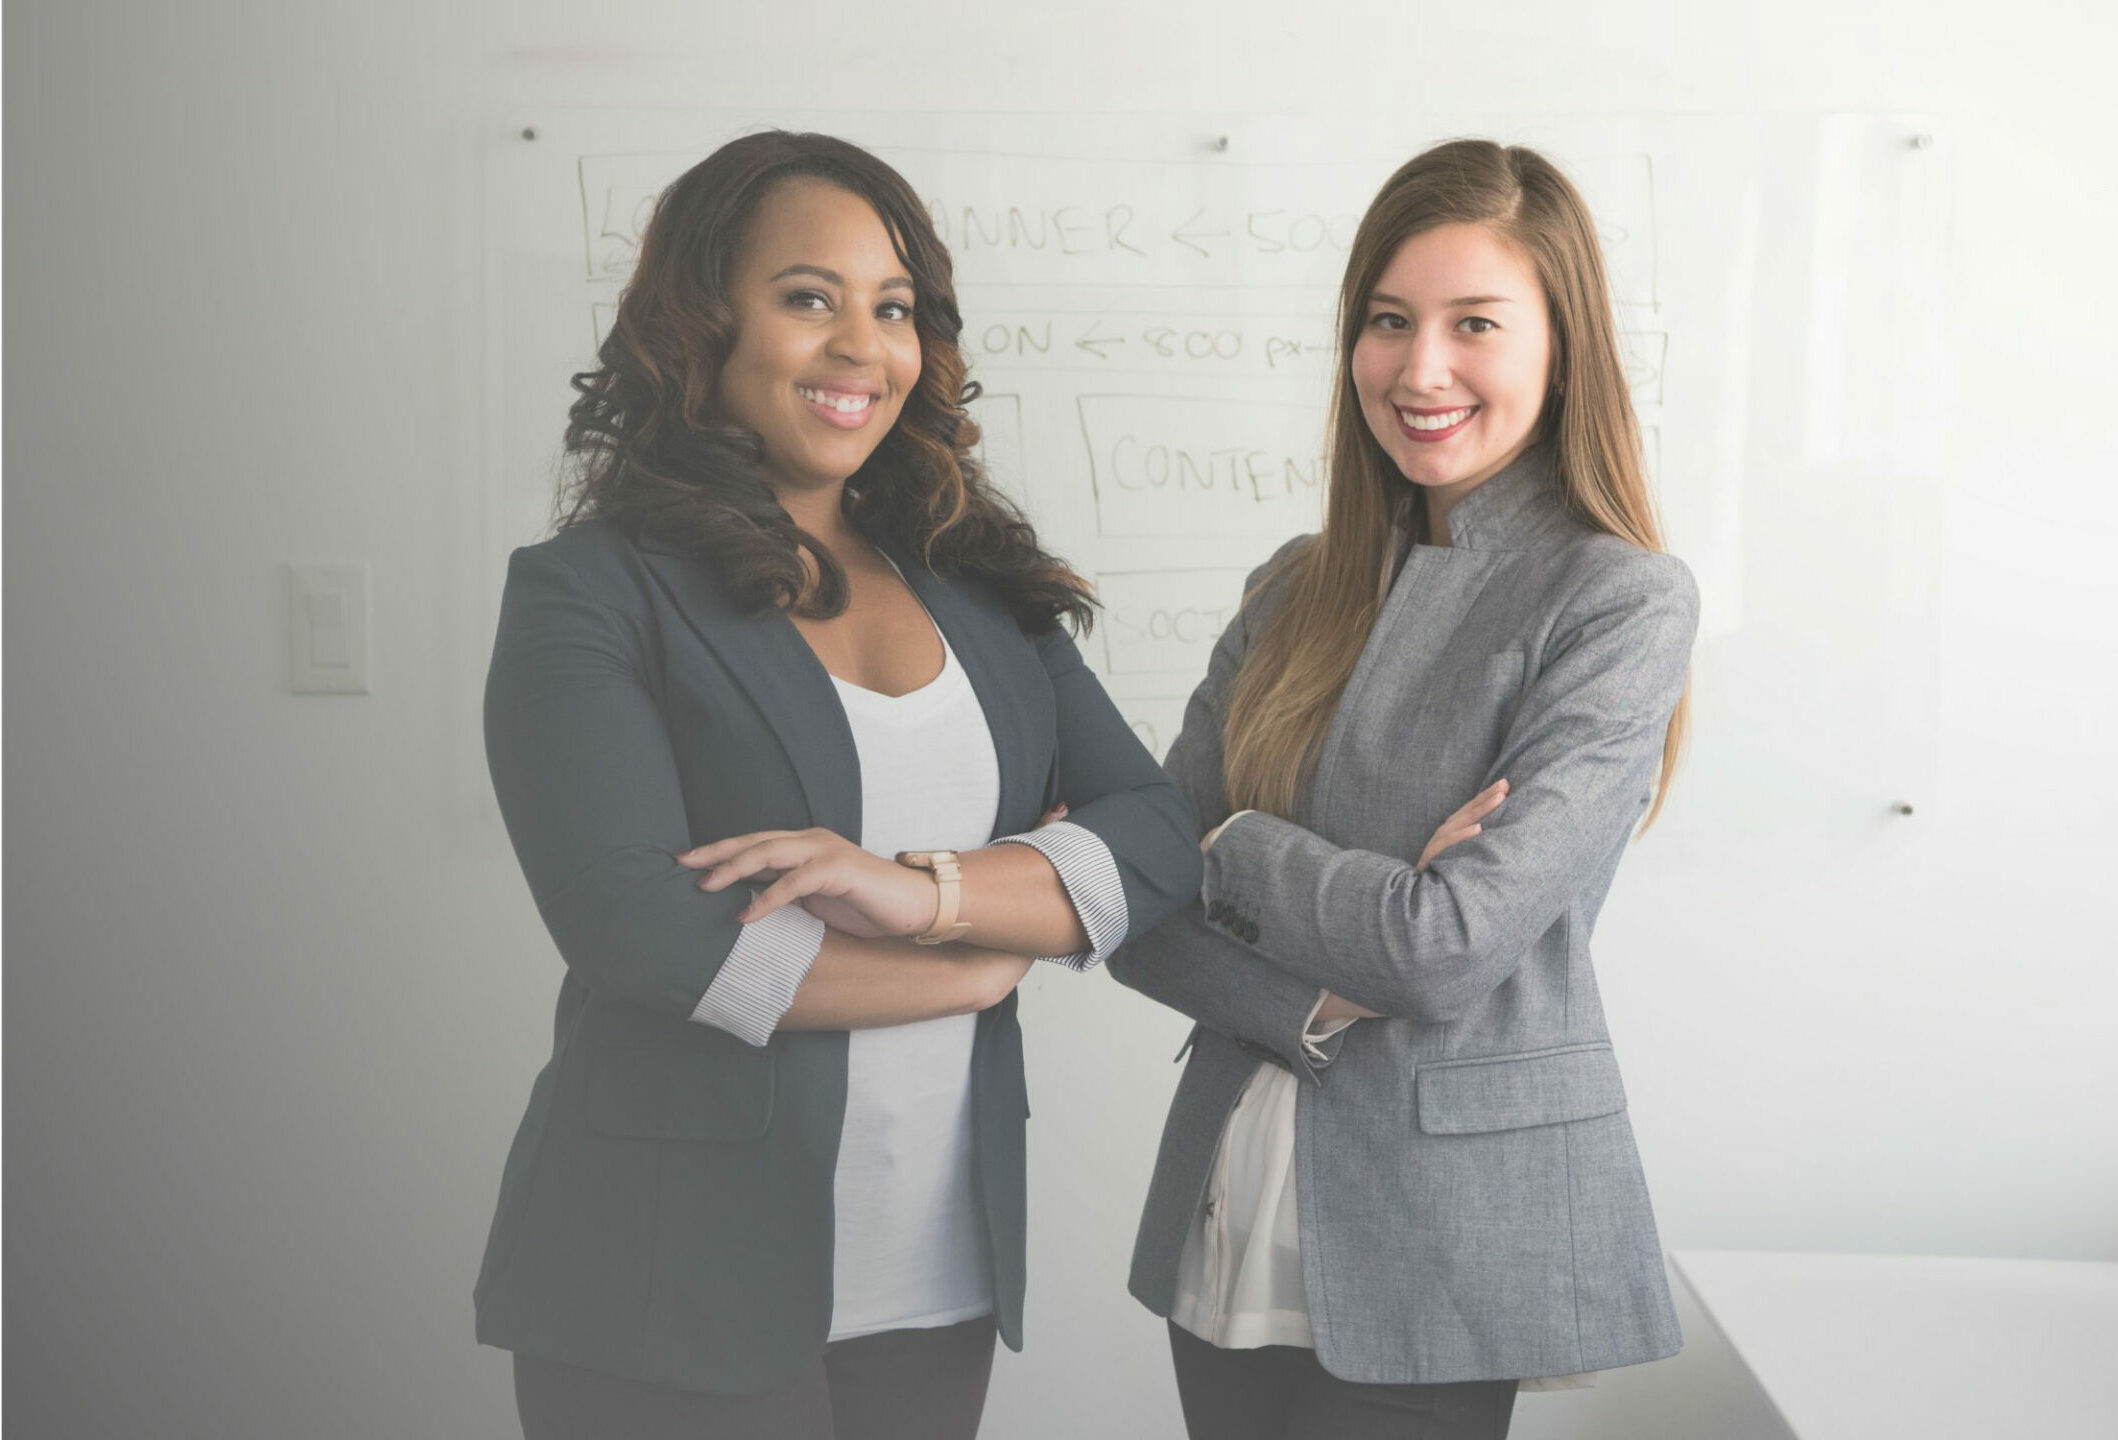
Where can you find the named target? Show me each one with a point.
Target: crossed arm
(585, 772)
(859, 912)
(1426, 938)
(1068, 891)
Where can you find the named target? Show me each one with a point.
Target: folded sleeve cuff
(756, 983)
(1089, 875)
(1215, 833)
(1317, 1034)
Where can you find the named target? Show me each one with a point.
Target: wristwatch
(948, 878)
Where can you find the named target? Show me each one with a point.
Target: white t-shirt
(911, 1242)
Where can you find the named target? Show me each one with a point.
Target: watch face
(924, 859)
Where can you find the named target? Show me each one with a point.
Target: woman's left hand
(1464, 823)
(844, 886)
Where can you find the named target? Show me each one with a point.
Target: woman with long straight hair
(1397, 1177)
(773, 721)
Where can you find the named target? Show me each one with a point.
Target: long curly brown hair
(654, 454)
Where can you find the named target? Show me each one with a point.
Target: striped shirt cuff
(756, 983)
(1089, 876)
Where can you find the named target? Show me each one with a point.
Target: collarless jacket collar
(1516, 509)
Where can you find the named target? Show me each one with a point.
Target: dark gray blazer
(666, 1209)
(1471, 1204)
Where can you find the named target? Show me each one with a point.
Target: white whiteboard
(1148, 304)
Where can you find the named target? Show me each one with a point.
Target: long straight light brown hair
(1297, 669)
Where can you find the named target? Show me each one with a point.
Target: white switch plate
(327, 613)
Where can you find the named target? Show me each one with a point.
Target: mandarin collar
(1514, 508)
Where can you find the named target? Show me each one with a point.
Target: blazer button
(1216, 910)
(1249, 931)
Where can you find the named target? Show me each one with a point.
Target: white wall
(275, 990)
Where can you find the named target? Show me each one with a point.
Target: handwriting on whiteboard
(1001, 336)
(1185, 467)
(1045, 219)
(1164, 622)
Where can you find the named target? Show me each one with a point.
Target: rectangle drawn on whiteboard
(1176, 465)
(1165, 622)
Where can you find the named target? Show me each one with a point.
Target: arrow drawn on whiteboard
(1183, 233)
(1091, 340)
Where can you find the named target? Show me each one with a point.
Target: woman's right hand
(1464, 823)
(841, 884)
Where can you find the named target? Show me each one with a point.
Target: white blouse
(1239, 1280)
(911, 1247)
(909, 1235)
(1239, 1283)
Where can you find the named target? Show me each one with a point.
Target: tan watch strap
(948, 879)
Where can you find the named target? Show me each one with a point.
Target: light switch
(328, 608)
(327, 630)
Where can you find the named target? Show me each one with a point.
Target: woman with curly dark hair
(780, 722)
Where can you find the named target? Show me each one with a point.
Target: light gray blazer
(1472, 1206)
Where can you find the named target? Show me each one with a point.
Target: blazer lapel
(784, 679)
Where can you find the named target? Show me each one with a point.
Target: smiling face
(825, 349)
(1451, 363)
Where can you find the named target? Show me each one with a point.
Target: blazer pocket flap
(1513, 1092)
(691, 1092)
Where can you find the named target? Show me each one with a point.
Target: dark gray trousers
(898, 1385)
(1280, 1392)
